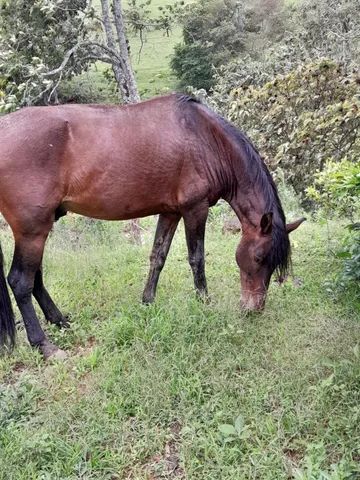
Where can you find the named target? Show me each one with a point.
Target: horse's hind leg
(46, 303)
(195, 221)
(165, 230)
(26, 262)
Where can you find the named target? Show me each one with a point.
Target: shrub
(301, 120)
(337, 191)
(212, 35)
(337, 188)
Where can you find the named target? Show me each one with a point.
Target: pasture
(150, 61)
(183, 389)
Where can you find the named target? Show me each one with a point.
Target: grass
(151, 64)
(182, 389)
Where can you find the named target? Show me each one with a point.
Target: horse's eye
(259, 255)
(258, 258)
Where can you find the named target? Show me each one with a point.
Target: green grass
(152, 66)
(151, 63)
(182, 389)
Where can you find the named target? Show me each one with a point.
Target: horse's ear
(290, 227)
(266, 223)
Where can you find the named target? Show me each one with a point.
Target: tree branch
(67, 57)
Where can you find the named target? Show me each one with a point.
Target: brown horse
(170, 156)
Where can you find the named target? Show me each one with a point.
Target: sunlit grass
(150, 61)
(148, 391)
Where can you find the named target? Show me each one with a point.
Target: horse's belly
(117, 212)
(118, 200)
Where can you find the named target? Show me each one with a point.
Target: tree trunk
(123, 73)
(121, 66)
(133, 94)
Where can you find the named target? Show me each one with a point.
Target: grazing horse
(170, 156)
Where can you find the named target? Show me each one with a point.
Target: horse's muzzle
(253, 302)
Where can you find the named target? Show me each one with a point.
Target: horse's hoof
(147, 300)
(52, 352)
(65, 322)
(59, 355)
(62, 321)
(204, 297)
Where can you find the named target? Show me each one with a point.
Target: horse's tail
(7, 319)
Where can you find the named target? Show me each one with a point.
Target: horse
(170, 156)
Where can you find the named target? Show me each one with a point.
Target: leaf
(343, 255)
(239, 424)
(229, 439)
(227, 430)
(327, 381)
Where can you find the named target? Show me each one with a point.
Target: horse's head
(255, 256)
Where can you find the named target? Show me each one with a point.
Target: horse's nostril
(253, 303)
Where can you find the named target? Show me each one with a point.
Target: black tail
(7, 320)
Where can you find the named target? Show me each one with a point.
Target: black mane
(262, 181)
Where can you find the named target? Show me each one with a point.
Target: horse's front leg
(46, 303)
(26, 262)
(195, 221)
(165, 230)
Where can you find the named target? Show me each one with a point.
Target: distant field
(152, 67)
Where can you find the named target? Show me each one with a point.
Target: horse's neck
(248, 205)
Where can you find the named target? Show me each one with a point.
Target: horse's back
(102, 161)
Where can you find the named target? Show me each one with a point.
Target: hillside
(151, 66)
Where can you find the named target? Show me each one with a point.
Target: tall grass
(183, 389)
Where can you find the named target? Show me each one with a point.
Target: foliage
(193, 65)
(247, 70)
(34, 37)
(302, 119)
(212, 35)
(350, 275)
(288, 35)
(85, 89)
(337, 190)
(140, 17)
(328, 28)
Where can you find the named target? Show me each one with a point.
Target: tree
(35, 36)
(216, 32)
(117, 51)
(328, 28)
(46, 41)
(302, 120)
(213, 33)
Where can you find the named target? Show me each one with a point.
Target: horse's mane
(261, 179)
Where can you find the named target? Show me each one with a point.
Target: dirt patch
(12, 377)
(293, 459)
(85, 349)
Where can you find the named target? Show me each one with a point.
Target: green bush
(301, 120)
(83, 89)
(212, 36)
(336, 190)
(34, 38)
(192, 65)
